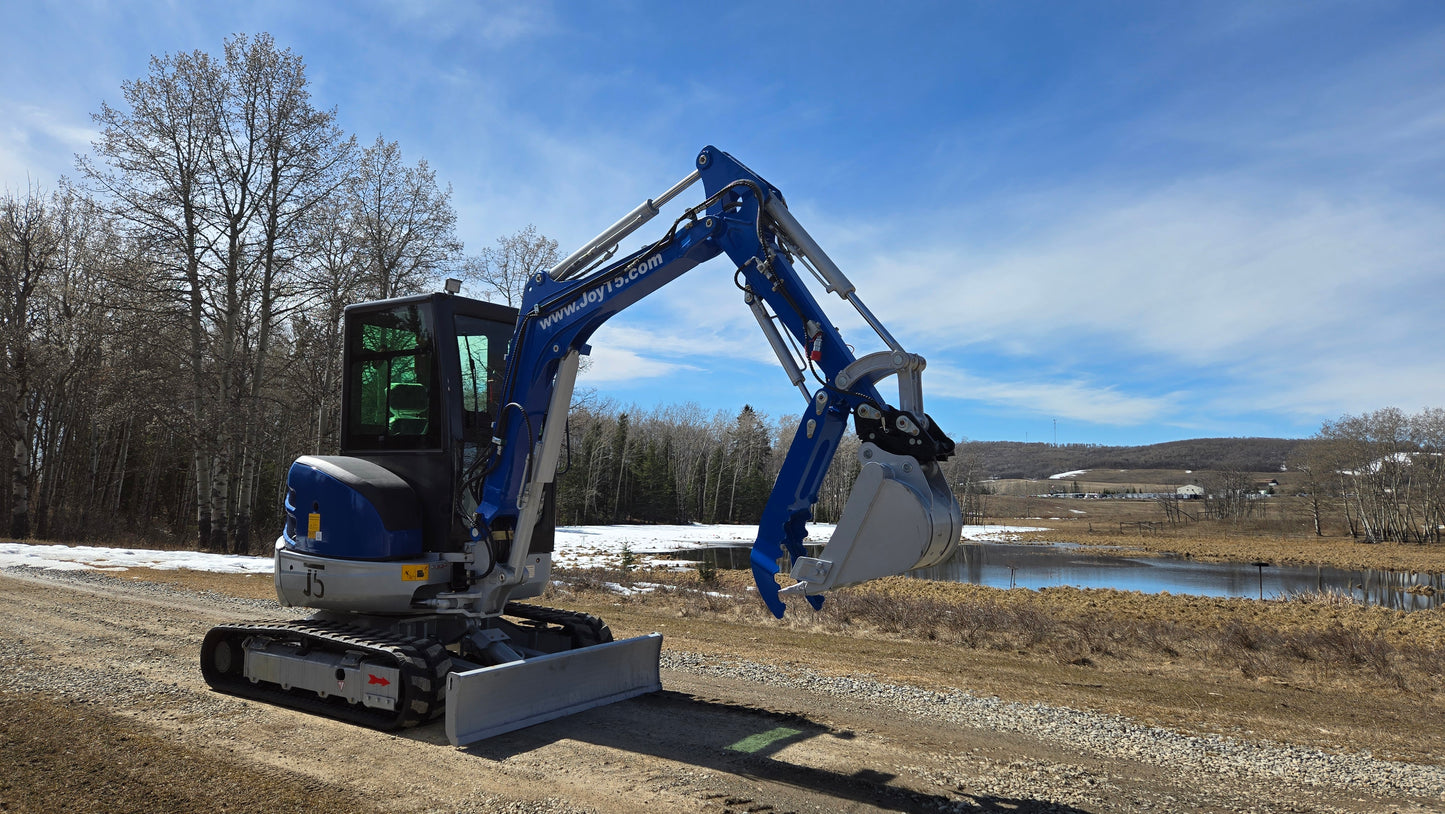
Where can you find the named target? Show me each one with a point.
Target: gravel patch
(1100, 733)
(119, 684)
(153, 590)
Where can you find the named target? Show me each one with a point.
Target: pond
(1005, 565)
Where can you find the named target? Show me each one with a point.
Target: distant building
(1190, 492)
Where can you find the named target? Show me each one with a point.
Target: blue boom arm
(744, 218)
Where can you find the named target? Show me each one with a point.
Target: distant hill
(1014, 459)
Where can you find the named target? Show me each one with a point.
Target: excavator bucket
(493, 700)
(901, 515)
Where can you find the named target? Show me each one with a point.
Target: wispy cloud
(1350, 380)
(612, 364)
(1073, 399)
(1207, 275)
(33, 137)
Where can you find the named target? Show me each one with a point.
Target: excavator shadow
(740, 740)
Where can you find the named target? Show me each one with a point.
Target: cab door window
(392, 401)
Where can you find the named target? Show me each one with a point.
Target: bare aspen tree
(61, 409)
(838, 483)
(1314, 485)
(501, 271)
(1389, 468)
(1232, 495)
(405, 221)
(85, 337)
(1427, 431)
(300, 155)
(333, 279)
(217, 163)
(966, 476)
(29, 249)
(156, 151)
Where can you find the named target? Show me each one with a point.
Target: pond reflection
(1004, 565)
(1001, 565)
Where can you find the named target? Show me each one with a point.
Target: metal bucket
(901, 515)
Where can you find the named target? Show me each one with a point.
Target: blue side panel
(349, 527)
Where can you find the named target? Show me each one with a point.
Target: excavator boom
(901, 516)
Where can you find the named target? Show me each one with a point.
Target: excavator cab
(420, 383)
(391, 401)
(419, 378)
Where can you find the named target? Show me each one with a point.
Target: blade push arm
(746, 219)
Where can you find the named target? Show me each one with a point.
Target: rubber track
(424, 664)
(585, 628)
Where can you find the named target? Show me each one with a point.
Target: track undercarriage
(391, 673)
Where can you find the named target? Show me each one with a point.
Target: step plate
(489, 701)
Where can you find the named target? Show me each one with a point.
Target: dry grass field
(1318, 670)
(1281, 530)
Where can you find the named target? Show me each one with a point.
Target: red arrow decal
(377, 680)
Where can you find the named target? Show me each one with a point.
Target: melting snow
(576, 547)
(602, 546)
(74, 558)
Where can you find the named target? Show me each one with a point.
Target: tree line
(1382, 473)
(1018, 459)
(171, 327)
(681, 464)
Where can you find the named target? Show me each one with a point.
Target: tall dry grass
(1307, 638)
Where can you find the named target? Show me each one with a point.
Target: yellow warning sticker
(313, 525)
(414, 573)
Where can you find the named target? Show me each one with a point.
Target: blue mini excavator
(414, 546)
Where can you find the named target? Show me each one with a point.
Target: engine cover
(348, 508)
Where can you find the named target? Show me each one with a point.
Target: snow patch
(576, 547)
(603, 546)
(996, 534)
(78, 558)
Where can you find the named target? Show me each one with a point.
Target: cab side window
(481, 352)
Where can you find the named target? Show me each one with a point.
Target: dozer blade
(901, 515)
(492, 700)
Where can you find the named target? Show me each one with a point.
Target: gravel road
(724, 735)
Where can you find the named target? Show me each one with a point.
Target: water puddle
(1005, 565)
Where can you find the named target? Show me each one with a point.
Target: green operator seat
(407, 404)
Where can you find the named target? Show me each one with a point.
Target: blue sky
(1136, 221)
